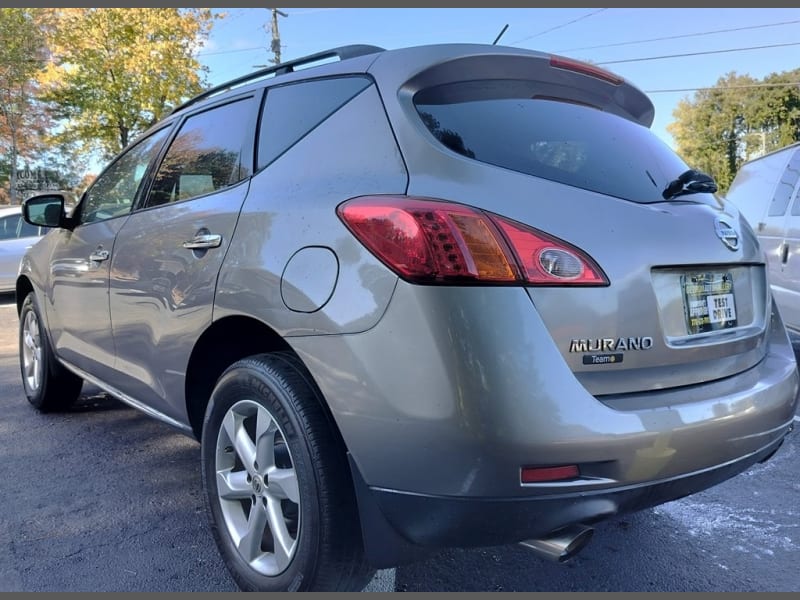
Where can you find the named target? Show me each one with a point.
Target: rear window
(504, 123)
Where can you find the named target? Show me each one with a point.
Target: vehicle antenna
(499, 35)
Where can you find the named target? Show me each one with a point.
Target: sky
(626, 41)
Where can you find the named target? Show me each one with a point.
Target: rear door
(168, 254)
(784, 258)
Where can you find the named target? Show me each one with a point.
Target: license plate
(709, 302)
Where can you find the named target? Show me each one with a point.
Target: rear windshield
(504, 123)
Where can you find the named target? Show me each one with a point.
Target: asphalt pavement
(103, 498)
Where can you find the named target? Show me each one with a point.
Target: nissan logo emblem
(726, 233)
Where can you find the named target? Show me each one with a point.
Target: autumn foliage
(75, 82)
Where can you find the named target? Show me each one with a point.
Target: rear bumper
(456, 389)
(400, 527)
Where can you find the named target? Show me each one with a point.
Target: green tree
(738, 119)
(116, 71)
(22, 120)
(775, 112)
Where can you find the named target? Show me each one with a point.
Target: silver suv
(453, 295)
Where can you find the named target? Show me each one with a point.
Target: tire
(278, 488)
(47, 384)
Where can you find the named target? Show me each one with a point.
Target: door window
(8, 227)
(14, 226)
(785, 187)
(213, 150)
(788, 183)
(25, 229)
(114, 191)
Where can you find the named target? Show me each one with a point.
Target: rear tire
(278, 487)
(47, 384)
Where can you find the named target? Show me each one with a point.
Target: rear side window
(787, 185)
(504, 123)
(292, 111)
(212, 151)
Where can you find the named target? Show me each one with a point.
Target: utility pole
(276, 36)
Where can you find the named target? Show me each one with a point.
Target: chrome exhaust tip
(561, 545)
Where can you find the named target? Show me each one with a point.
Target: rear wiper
(689, 182)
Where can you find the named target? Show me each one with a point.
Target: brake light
(576, 66)
(433, 241)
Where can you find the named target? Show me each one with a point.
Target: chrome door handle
(99, 255)
(203, 241)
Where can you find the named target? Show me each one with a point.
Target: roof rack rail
(342, 53)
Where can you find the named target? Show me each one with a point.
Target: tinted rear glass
(501, 124)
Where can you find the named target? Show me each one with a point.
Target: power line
(230, 51)
(581, 18)
(611, 62)
(727, 87)
(241, 13)
(628, 60)
(676, 37)
(313, 10)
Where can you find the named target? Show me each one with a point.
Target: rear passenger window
(788, 182)
(292, 111)
(213, 150)
(785, 187)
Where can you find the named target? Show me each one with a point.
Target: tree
(777, 111)
(116, 71)
(738, 119)
(22, 55)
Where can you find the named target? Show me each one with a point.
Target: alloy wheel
(32, 351)
(257, 488)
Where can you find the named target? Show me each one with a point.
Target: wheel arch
(23, 288)
(222, 344)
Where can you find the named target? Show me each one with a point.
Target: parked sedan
(16, 236)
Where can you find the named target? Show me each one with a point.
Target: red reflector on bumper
(540, 474)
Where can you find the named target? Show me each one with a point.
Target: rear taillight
(433, 241)
(546, 260)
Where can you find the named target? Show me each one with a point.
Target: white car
(16, 236)
(767, 192)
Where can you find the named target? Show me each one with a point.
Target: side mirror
(45, 210)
